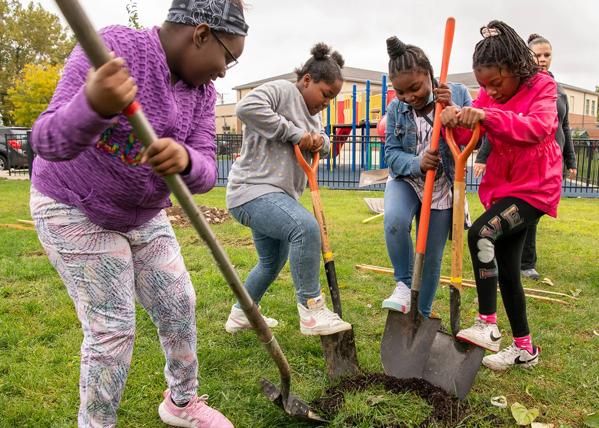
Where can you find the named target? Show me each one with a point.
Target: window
(571, 106)
(587, 108)
(593, 108)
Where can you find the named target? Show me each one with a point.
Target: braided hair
(406, 58)
(323, 65)
(503, 47)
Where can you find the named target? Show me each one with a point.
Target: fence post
(367, 127)
(589, 163)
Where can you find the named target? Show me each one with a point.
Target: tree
(32, 92)
(28, 35)
(133, 15)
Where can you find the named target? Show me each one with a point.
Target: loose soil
(447, 410)
(213, 215)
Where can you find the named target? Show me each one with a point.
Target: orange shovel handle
(310, 170)
(429, 183)
(461, 157)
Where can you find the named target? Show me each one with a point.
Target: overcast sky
(282, 32)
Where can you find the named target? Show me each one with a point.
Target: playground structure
(351, 122)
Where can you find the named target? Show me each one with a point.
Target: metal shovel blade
(452, 365)
(406, 343)
(340, 355)
(292, 405)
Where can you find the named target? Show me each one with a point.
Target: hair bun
(395, 47)
(320, 51)
(533, 37)
(336, 56)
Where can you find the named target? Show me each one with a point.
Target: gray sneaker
(531, 273)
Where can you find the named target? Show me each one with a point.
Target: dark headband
(220, 15)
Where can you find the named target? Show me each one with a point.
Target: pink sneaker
(197, 414)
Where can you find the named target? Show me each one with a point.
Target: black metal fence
(16, 155)
(351, 156)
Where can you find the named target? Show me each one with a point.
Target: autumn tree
(32, 92)
(28, 35)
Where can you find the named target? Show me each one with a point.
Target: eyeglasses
(233, 61)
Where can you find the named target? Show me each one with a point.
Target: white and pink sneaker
(316, 319)
(197, 414)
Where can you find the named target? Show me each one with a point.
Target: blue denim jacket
(401, 140)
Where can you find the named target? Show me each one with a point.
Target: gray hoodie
(275, 117)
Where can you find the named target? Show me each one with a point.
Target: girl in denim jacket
(407, 140)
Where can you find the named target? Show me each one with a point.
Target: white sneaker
(238, 321)
(317, 319)
(483, 334)
(399, 300)
(512, 356)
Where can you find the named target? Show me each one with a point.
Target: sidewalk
(19, 175)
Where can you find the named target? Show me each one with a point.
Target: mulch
(213, 215)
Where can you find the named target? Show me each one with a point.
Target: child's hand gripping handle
(457, 236)
(95, 49)
(327, 254)
(427, 198)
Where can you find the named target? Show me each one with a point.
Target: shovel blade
(292, 405)
(406, 343)
(340, 355)
(452, 365)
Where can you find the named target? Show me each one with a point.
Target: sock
(489, 319)
(179, 405)
(524, 342)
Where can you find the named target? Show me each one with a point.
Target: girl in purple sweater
(98, 199)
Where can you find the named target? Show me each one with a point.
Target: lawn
(40, 335)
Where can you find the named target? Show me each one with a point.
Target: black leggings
(496, 240)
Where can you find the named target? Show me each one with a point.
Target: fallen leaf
(592, 420)
(540, 425)
(522, 415)
(575, 293)
(499, 401)
(547, 281)
(527, 390)
(596, 332)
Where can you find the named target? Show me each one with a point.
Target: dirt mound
(447, 410)
(213, 215)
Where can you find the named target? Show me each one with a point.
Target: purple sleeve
(69, 125)
(201, 146)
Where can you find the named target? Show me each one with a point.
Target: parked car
(13, 147)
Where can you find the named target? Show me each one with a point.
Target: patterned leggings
(105, 272)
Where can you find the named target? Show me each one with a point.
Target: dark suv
(14, 147)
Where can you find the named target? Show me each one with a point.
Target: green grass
(40, 336)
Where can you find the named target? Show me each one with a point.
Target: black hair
(408, 58)
(503, 47)
(536, 39)
(323, 65)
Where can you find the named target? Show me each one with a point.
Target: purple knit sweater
(92, 163)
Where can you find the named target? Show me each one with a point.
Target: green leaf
(522, 415)
(592, 420)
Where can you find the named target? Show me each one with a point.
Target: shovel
(98, 55)
(452, 365)
(339, 348)
(408, 338)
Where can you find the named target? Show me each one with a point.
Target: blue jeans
(282, 228)
(401, 206)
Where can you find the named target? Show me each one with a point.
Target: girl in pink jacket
(517, 110)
